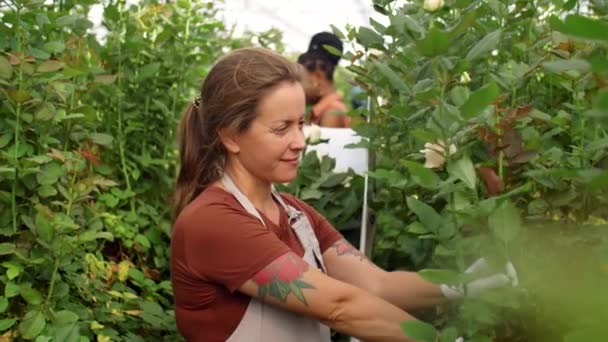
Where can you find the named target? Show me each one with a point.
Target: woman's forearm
(409, 291)
(369, 318)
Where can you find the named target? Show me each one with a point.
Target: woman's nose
(299, 140)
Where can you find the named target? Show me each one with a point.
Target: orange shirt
(215, 247)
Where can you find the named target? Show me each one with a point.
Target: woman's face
(309, 84)
(270, 149)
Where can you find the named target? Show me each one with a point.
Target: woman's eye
(281, 130)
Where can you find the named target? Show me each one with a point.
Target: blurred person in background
(327, 105)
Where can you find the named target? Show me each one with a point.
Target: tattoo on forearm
(282, 278)
(343, 247)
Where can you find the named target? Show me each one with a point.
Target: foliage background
(519, 87)
(88, 162)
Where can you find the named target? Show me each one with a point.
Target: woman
(327, 106)
(249, 264)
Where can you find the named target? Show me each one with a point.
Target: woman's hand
(482, 284)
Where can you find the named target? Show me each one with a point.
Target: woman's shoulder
(212, 205)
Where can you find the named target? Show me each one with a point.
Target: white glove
(480, 285)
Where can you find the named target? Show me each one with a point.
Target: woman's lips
(293, 161)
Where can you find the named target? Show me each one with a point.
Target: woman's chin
(284, 179)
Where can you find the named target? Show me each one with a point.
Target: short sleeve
(325, 232)
(225, 244)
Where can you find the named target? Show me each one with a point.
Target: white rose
(432, 5)
(435, 154)
(314, 134)
(465, 78)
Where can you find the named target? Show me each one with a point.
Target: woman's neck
(259, 192)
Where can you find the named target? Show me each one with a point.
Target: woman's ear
(229, 141)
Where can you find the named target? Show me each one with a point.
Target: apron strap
(298, 221)
(241, 198)
(301, 225)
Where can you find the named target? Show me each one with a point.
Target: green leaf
(464, 170)
(104, 235)
(40, 159)
(417, 228)
(3, 304)
(479, 100)
(31, 295)
(65, 317)
(40, 54)
(152, 308)
(561, 66)
(44, 229)
(395, 80)
(67, 333)
(570, 4)
(101, 139)
(4, 169)
(42, 19)
(49, 174)
(54, 47)
(149, 70)
(600, 102)
(310, 193)
(581, 27)
(32, 324)
(426, 178)
(50, 66)
(392, 178)
(370, 38)
(419, 331)
(505, 222)
(7, 323)
(11, 289)
(332, 50)
(426, 214)
(435, 43)
(66, 20)
(143, 241)
(333, 180)
(7, 248)
(449, 335)
(403, 22)
(47, 191)
(6, 70)
(13, 272)
(337, 32)
(5, 139)
(459, 95)
(467, 20)
(106, 79)
(110, 201)
(485, 45)
(436, 276)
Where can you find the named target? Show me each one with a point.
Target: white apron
(264, 322)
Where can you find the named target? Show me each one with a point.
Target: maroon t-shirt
(216, 246)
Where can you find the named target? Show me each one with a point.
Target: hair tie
(196, 103)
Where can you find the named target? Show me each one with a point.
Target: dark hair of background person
(318, 58)
(229, 99)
